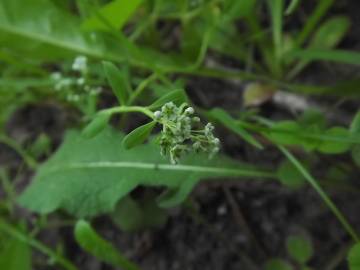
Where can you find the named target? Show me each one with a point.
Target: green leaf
(285, 133)
(330, 33)
(176, 96)
(276, 9)
(354, 257)
(87, 177)
(14, 254)
(341, 56)
(138, 135)
(99, 122)
(55, 34)
(289, 175)
(116, 14)
(90, 241)
(292, 7)
(355, 124)
(277, 264)
(300, 248)
(355, 154)
(330, 147)
(224, 118)
(119, 81)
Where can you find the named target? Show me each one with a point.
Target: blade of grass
(342, 56)
(321, 192)
(292, 7)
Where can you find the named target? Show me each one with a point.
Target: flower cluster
(178, 135)
(76, 88)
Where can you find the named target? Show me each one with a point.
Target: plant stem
(20, 236)
(321, 192)
(141, 87)
(127, 109)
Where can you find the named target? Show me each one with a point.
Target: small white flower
(189, 110)
(157, 115)
(56, 76)
(80, 64)
(80, 81)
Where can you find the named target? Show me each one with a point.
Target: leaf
(289, 175)
(292, 7)
(224, 118)
(355, 124)
(277, 264)
(99, 122)
(119, 81)
(138, 135)
(285, 133)
(354, 257)
(329, 147)
(235, 9)
(55, 34)
(256, 94)
(14, 254)
(116, 13)
(341, 56)
(330, 33)
(176, 96)
(90, 241)
(300, 248)
(87, 177)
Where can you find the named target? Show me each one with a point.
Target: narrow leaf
(341, 56)
(118, 81)
(96, 125)
(138, 135)
(354, 257)
(292, 7)
(90, 241)
(176, 96)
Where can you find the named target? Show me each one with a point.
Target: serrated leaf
(103, 250)
(138, 135)
(289, 175)
(118, 80)
(116, 14)
(176, 96)
(87, 177)
(300, 248)
(354, 257)
(277, 264)
(96, 125)
(224, 118)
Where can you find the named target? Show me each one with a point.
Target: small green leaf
(330, 147)
(176, 96)
(355, 124)
(138, 135)
(300, 248)
(224, 118)
(118, 80)
(354, 257)
(116, 14)
(330, 33)
(90, 241)
(96, 125)
(289, 175)
(285, 133)
(277, 264)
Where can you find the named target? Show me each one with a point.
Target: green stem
(321, 192)
(141, 87)
(22, 237)
(31, 162)
(128, 109)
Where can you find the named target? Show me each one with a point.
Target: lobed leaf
(87, 177)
